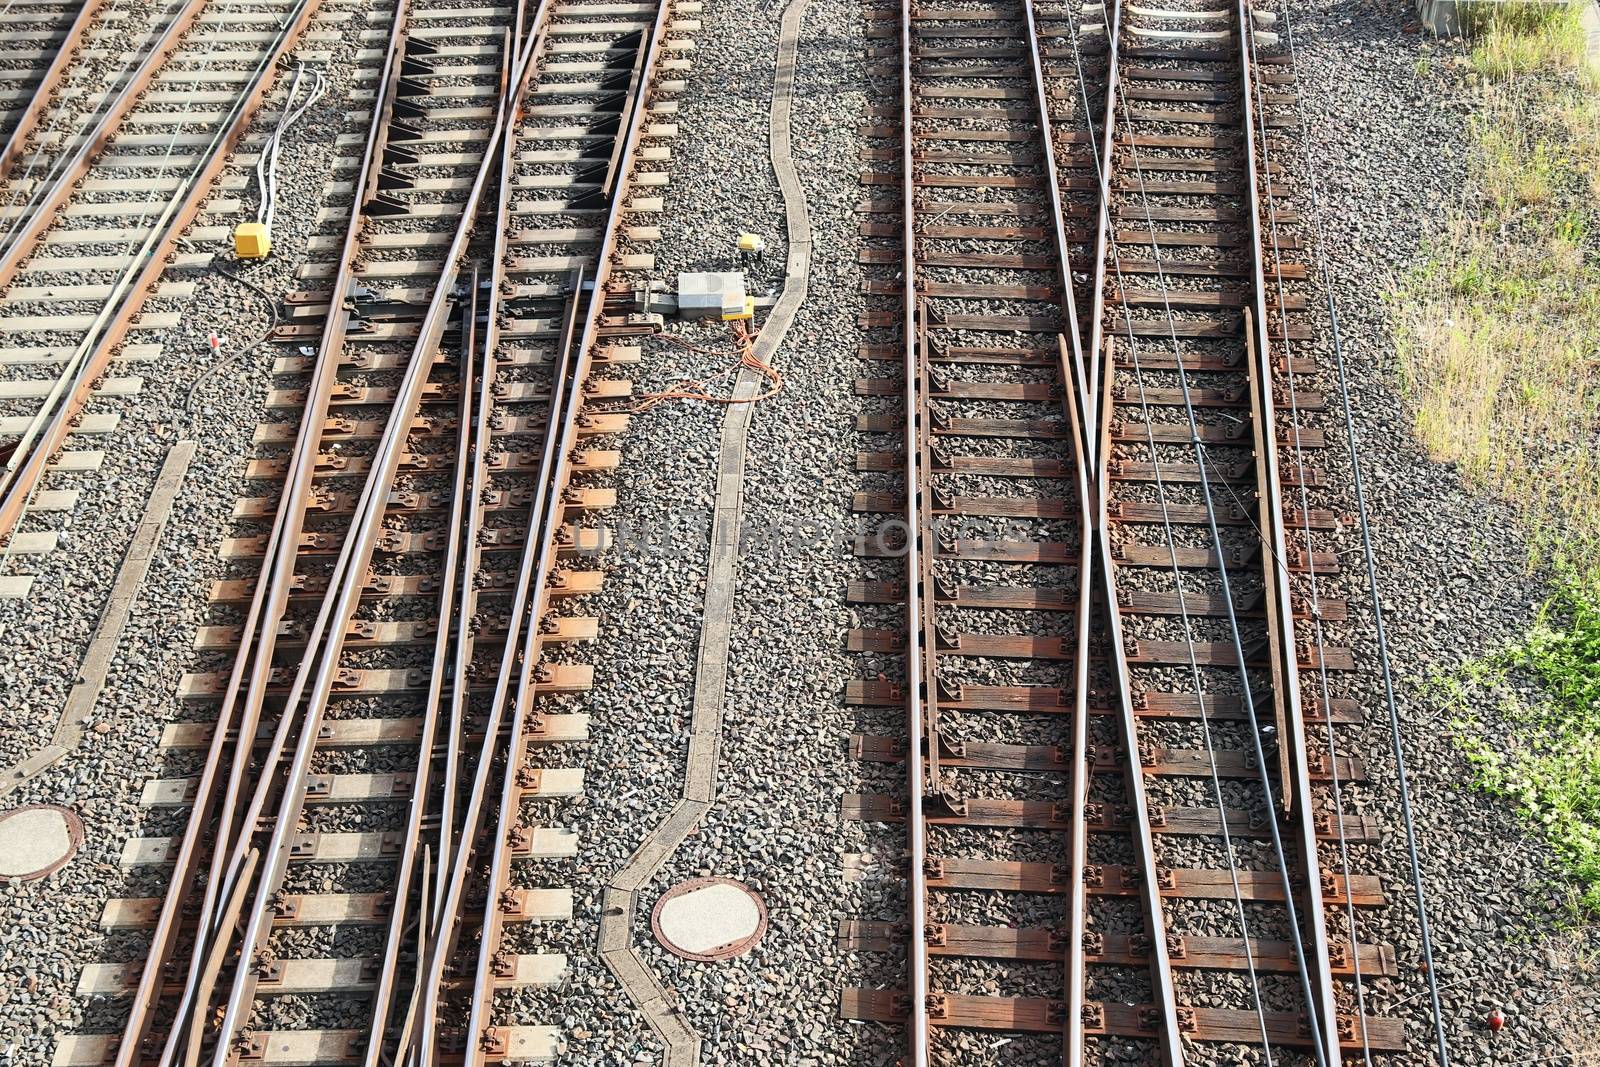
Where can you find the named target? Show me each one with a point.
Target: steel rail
(1069, 353)
(1186, 621)
(316, 676)
(76, 382)
(1280, 616)
(300, 478)
(440, 948)
(1294, 770)
(1155, 919)
(917, 742)
(27, 238)
(49, 84)
(477, 449)
(560, 464)
(1076, 975)
(1099, 365)
(546, 515)
(1229, 849)
(477, 482)
(152, 976)
(1099, 395)
(1369, 559)
(1226, 596)
(459, 680)
(1183, 610)
(462, 660)
(1304, 495)
(259, 638)
(421, 782)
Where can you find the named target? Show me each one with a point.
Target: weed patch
(1497, 334)
(1546, 758)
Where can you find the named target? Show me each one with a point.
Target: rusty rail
(49, 83)
(921, 742)
(260, 633)
(1293, 767)
(1099, 378)
(555, 476)
(112, 324)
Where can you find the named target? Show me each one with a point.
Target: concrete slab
(36, 840)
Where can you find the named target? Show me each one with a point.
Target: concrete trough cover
(36, 840)
(709, 919)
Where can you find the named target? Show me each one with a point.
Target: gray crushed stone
(49, 929)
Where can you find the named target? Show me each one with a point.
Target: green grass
(1516, 39)
(1497, 334)
(1544, 755)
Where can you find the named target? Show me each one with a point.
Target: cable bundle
(745, 339)
(267, 162)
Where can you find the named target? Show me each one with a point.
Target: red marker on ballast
(215, 341)
(1496, 1020)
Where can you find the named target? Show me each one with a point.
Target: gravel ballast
(1389, 144)
(50, 929)
(1387, 108)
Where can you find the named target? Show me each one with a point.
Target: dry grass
(1498, 333)
(1510, 40)
(1498, 338)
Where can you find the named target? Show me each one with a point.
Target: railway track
(111, 163)
(395, 636)
(1098, 606)
(39, 40)
(1095, 542)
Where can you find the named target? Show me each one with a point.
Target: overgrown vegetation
(1498, 335)
(1516, 39)
(1547, 760)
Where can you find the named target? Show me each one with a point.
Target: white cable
(267, 162)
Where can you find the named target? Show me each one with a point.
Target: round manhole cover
(709, 919)
(36, 840)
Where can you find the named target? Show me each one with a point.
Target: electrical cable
(266, 180)
(1352, 440)
(695, 389)
(223, 364)
(267, 160)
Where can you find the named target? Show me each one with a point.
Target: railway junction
(688, 532)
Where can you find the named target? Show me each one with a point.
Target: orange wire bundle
(745, 339)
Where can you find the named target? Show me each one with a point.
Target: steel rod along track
(448, 419)
(1146, 454)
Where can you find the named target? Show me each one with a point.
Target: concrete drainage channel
(714, 918)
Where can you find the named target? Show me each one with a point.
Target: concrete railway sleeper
(95, 302)
(325, 605)
(1079, 428)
